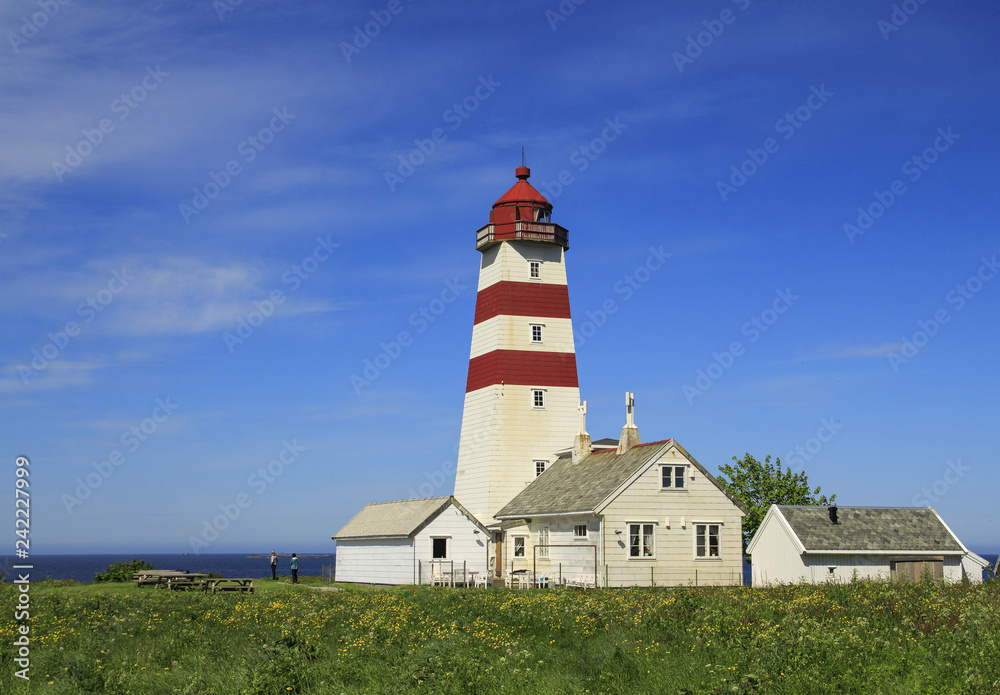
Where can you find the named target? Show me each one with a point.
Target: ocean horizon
(83, 567)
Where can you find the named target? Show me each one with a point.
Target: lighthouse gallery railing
(522, 231)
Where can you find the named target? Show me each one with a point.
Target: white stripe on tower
(522, 391)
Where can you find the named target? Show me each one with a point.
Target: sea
(82, 568)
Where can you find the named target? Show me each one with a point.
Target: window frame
(434, 540)
(536, 396)
(524, 545)
(544, 465)
(534, 269)
(541, 333)
(578, 536)
(543, 542)
(673, 477)
(641, 537)
(707, 525)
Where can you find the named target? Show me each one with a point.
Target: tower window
(539, 467)
(536, 332)
(542, 215)
(535, 270)
(538, 397)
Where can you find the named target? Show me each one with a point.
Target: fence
(665, 575)
(576, 565)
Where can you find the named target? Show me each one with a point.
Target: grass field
(851, 638)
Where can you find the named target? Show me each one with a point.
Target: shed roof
(872, 529)
(566, 488)
(397, 519)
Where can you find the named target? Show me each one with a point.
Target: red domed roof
(522, 191)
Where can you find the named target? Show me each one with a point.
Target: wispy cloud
(59, 374)
(852, 352)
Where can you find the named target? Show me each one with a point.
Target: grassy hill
(863, 637)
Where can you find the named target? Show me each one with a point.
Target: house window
(580, 532)
(641, 542)
(518, 546)
(539, 467)
(706, 540)
(538, 397)
(536, 332)
(439, 546)
(672, 477)
(535, 270)
(543, 541)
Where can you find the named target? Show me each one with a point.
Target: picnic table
(229, 584)
(187, 580)
(172, 579)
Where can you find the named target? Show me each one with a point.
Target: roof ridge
(411, 499)
(661, 441)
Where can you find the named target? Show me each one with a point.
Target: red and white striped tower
(522, 394)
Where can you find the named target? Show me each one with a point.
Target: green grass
(863, 637)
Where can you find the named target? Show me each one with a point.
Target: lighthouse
(522, 393)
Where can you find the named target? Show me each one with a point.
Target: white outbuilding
(816, 544)
(422, 541)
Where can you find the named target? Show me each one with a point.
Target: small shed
(816, 544)
(411, 542)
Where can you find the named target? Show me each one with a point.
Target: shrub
(122, 571)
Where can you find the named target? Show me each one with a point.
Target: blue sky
(175, 173)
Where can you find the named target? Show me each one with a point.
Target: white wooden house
(639, 514)
(412, 542)
(817, 544)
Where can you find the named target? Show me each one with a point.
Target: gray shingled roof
(400, 518)
(890, 529)
(565, 488)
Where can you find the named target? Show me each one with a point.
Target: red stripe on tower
(508, 298)
(522, 367)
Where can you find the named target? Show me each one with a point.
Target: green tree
(759, 485)
(122, 571)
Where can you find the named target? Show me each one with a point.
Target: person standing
(274, 565)
(295, 569)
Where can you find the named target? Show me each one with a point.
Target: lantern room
(521, 214)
